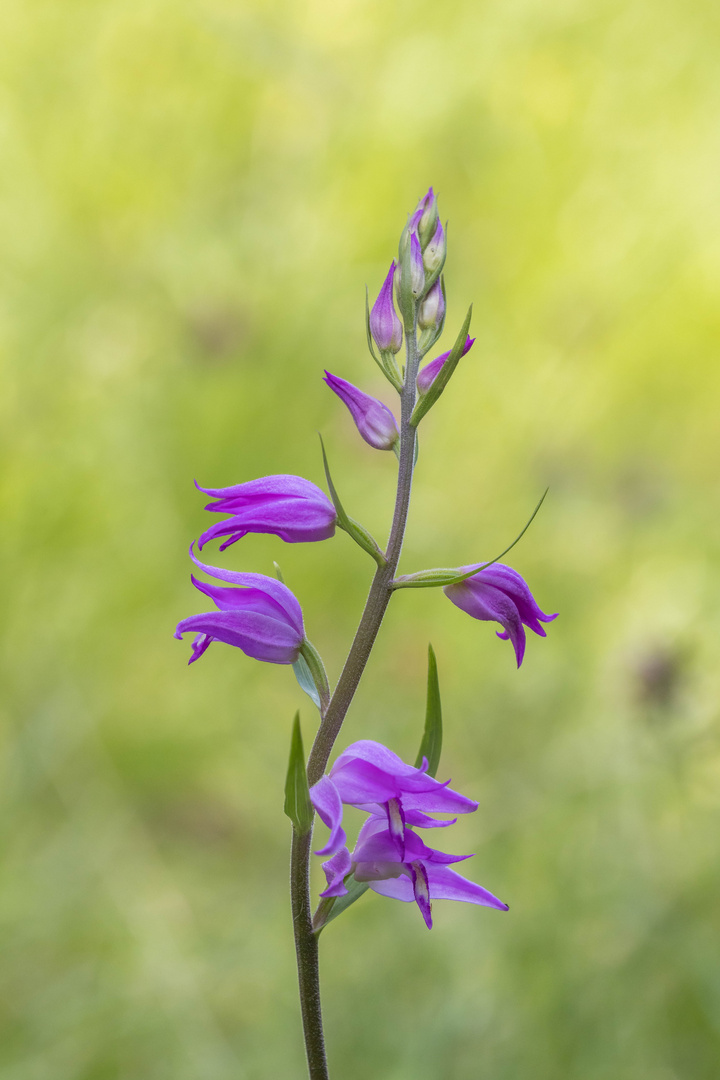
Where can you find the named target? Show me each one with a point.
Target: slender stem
(306, 950)
(306, 942)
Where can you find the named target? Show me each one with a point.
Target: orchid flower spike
(499, 594)
(294, 509)
(428, 374)
(374, 421)
(262, 618)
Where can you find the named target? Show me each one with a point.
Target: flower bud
(428, 374)
(385, 326)
(432, 309)
(411, 263)
(374, 421)
(425, 218)
(434, 256)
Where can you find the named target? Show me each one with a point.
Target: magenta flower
(422, 875)
(499, 594)
(373, 778)
(262, 618)
(428, 374)
(389, 856)
(385, 325)
(294, 509)
(374, 421)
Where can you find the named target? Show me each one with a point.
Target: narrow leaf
(332, 906)
(297, 794)
(444, 375)
(353, 528)
(431, 744)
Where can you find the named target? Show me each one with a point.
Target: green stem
(306, 942)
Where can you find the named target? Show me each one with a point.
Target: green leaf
(444, 375)
(433, 579)
(305, 679)
(353, 528)
(332, 906)
(297, 794)
(431, 745)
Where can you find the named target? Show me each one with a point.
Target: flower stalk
(381, 589)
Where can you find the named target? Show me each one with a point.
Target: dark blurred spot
(641, 490)
(658, 675)
(219, 332)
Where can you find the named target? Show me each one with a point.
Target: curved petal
(447, 884)
(271, 586)
(336, 870)
(399, 888)
(488, 603)
(326, 800)
(255, 634)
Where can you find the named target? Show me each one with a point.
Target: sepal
(431, 745)
(442, 378)
(297, 794)
(353, 528)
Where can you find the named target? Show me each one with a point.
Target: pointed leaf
(444, 375)
(431, 744)
(297, 794)
(353, 528)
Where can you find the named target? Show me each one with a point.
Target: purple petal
(257, 635)
(428, 374)
(326, 800)
(374, 421)
(368, 772)
(336, 869)
(271, 586)
(447, 884)
(294, 509)
(487, 603)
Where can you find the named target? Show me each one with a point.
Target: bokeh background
(194, 195)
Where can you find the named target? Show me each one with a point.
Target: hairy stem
(306, 943)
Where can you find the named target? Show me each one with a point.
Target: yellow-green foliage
(194, 194)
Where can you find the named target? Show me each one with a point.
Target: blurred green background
(193, 196)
